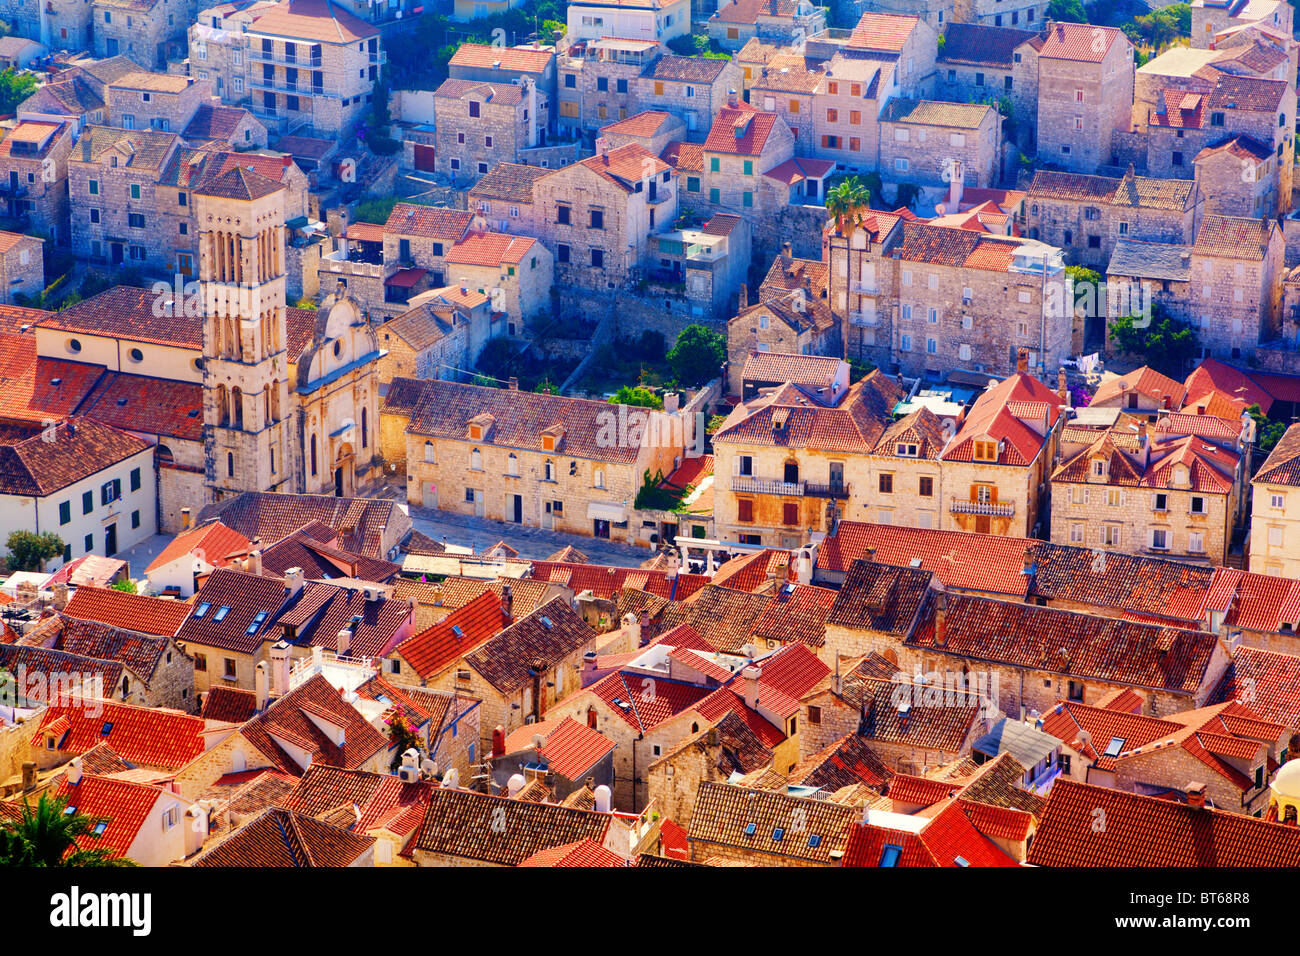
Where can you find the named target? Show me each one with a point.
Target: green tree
(126, 586)
(28, 551)
(847, 202)
(1267, 432)
(501, 359)
(14, 88)
(1069, 11)
(1163, 343)
(44, 835)
(637, 395)
(697, 355)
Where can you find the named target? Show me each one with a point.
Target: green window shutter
(714, 196)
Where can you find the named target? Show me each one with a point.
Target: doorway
(599, 528)
(338, 482)
(115, 253)
(110, 540)
(480, 509)
(518, 509)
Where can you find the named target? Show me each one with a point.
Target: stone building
(1212, 17)
(147, 31)
(692, 88)
(792, 316)
(298, 65)
(22, 267)
(1175, 496)
(1236, 284)
(786, 21)
(494, 64)
(597, 216)
(58, 24)
(791, 92)
(157, 101)
(781, 460)
(912, 44)
(513, 272)
(651, 129)
(1275, 510)
(546, 461)
(419, 237)
(34, 177)
(595, 79)
(980, 64)
(655, 20)
(1237, 176)
(1085, 95)
(481, 124)
(504, 197)
(1086, 215)
(930, 143)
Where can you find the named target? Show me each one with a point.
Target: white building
(658, 20)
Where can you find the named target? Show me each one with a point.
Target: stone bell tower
(245, 376)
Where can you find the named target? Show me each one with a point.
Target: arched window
(476, 460)
(365, 429)
(266, 402)
(237, 399)
(223, 405)
(275, 400)
(313, 454)
(512, 465)
(428, 452)
(230, 464)
(550, 470)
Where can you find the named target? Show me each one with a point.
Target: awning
(405, 278)
(606, 512)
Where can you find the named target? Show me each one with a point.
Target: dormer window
(985, 451)
(905, 450)
(1099, 467)
(476, 432)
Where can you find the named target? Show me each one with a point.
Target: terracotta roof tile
(583, 853)
(143, 736)
(508, 59)
(450, 639)
(543, 639)
(882, 31)
(281, 838)
(428, 222)
(48, 461)
(473, 826)
(128, 611)
(759, 821)
(287, 719)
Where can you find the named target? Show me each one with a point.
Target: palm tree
(46, 835)
(846, 203)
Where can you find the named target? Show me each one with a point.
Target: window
(87, 502)
(135, 190)
(985, 451)
(1076, 533)
(1076, 691)
(1112, 497)
(1110, 535)
(746, 465)
(745, 509)
(135, 220)
(473, 108)
(1159, 539)
(561, 252)
(598, 258)
(789, 513)
(1196, 542)
(1161, 502)
(94, 215)
(814, 715)
(562, 215)
(886, 484)
(201, 662)
(1275, 501)
(1198, 505)
(597, 219)
(926, 488)
(229, 667)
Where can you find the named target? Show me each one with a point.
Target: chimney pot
(1196, 795)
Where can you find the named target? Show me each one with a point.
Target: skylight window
(815, 841)
(1115, 746)
(257, 622)
(547, 622)
(961, 861)
(100, 827)
(777, 835)
(455, 629)
(890, 854)
(221, 613)
(751, 829)
(202, 609)
(69, 810)
(106, 729)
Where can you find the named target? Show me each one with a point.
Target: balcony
(859, 287)
(999, 509)
(12, 190)
(747, 484)
(311, 62)
(864, 319)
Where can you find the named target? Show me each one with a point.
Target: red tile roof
(491, 249)
(509, 59)
(124, 805)
(281, 838)
(287, 718)
(601, 580)
(244, 595)
(1282, 467)
(583, 853)
(450, 639)
(42, 463)
(212, 543)
(38, 390)
(229, 705)
(993, 417)
(313, 20)
(1149, 831)
(1079, 41)
(125, 312)
(134, 612)
(428, 222)
(572, 749)
(740, 130)
(882, 31)
(143, 736)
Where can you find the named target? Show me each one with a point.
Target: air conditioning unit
(409, 774)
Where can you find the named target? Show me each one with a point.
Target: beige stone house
(1210, 19)
(150, 32)
(782, 461)
(792, 316)
(546, 461)
(691, 88)
(427, 341)
(651, 129)
(22, 267)
(595, 81)
(1131, 492)
(1235, 284)
(910, 42)
(494, 64)
(158, 101)
(786, 21)
(481, 124)
(504, 197)
(419, 237)
(1085, 95)
(791, 92)
(34, 176)
(514, 272)
(979, 64)
(1275, 510)
(1086, 215)
(929, 143)
(298, 65)
(597, 215)
(742, 146)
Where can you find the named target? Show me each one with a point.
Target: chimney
(732, 99)
(74, 772)
(255, 562)
(514, 384)
(744, 296)
(262, 685)
(507, 603)
(60, 595)
(749, 685)
(185, 519)
(632, 625)
(498, 742)
(1196, 795)
(1027, 563)
(941, 619)
(280, 668)
(712, 737)
(29, 774)
(293, 581)
(786, 254)
(464, 285)
(837, 682)
(345, 642)
(1022, 360)
(643, 627)
(1060, 32)
(1062, 386)
(602, 149)
(1142, 433)
(955, 187)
